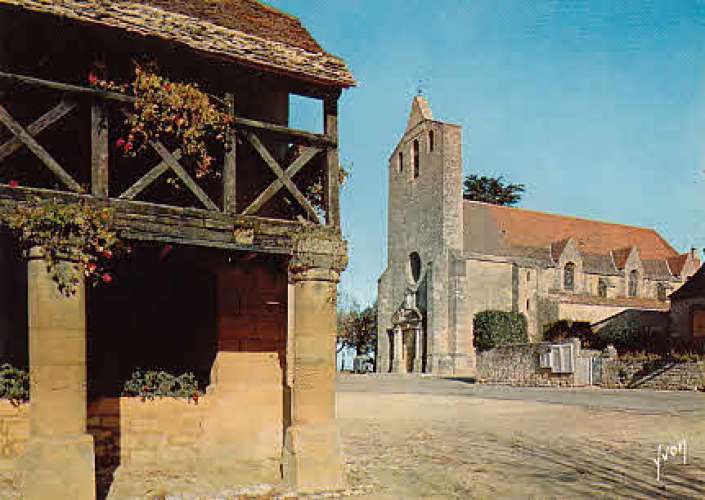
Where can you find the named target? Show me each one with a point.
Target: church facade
(449, 258)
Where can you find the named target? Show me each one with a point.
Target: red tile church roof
(527, 228)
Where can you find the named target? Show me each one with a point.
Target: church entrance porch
(406, 340)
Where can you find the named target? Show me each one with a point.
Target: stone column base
(58, 468)
(313, 461)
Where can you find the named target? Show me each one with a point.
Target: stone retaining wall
(661, 374)
(518, 364)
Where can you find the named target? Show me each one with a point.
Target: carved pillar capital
(318, 254)
(298, 274)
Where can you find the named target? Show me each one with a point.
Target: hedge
(497, 328)
(150, 384)
(14, 384)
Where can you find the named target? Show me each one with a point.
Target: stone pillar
(313, 458)
(398, 361)
(418, 351)
(58, 461)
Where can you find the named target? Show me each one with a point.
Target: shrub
(14, 384)
(497, 328)
(625, 336)
(150, 384)
(566, 329)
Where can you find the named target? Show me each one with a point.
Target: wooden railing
(72, 96)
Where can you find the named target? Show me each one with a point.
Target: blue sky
(597, 106)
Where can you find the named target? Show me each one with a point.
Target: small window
(661, 291)
(527, 305)
(415, 266)
(602, 288)
(528, 276)
(430, 141)
(569, 276)
(634, 283)
(401, 162)
(417, 166)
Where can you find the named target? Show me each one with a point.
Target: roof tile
(246, 31)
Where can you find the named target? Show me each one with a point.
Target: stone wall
(660, 374)
(14, 432)
(518, 365)
(231, 438)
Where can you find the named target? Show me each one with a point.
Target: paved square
(429, 437)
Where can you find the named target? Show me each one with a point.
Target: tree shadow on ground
(594, 467)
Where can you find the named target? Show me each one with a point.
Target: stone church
(450, 258)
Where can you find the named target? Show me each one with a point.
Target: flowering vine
(76, 232)
(179, 113)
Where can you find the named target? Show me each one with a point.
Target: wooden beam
(36, 148)
(332, 187)
(148, 178)
(230, 164)
(66, 87)
(183, 175)
(274, 165)
(275, 186)
(100, 153)
(291, 134)
(39, 125)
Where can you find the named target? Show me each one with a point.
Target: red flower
(92, 267)
(13, 184)
(107, 254)
(128, 147)
(92, 79)
(107, 278)
(120, 143)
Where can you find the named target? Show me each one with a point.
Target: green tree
(357, 327)
(493, 190)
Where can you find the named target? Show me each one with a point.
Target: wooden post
(332, 190)
(229, 167)
(99, 150)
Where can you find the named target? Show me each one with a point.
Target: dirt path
(448, 446)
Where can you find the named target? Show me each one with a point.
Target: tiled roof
(557, 248)
(677, 263)
(527, 228)
(245, 31)
(598, 264)
(629, 302)
(656, 269)
(620, 257)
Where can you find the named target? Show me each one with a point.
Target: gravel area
(439, 438)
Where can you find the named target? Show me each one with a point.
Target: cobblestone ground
(407, 438)
(434, 438)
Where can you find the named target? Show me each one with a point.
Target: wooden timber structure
(57, 136)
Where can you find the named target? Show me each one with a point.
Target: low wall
(518, 364)
(231, 438)
(14, 432)
(660, 374)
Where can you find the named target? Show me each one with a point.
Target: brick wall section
(659, 374)
(518, 365)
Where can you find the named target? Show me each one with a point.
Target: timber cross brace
(310, 146)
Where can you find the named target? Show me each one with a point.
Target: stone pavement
(429, 437)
